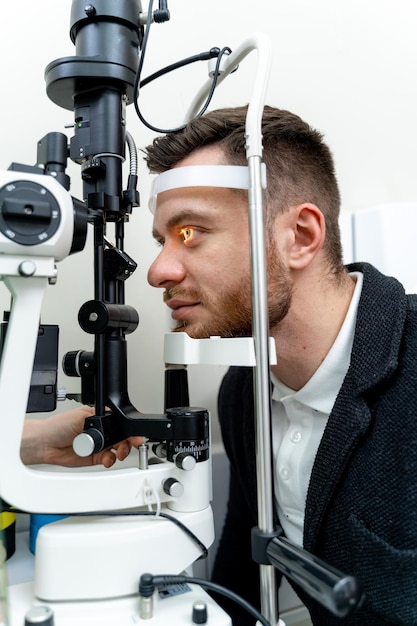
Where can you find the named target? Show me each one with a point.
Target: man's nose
(166, 270)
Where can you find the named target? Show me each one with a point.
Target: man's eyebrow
(179, 219)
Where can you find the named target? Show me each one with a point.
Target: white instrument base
(173, 610)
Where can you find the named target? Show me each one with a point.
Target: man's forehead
(205, 207)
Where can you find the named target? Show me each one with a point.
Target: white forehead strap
(228, 176)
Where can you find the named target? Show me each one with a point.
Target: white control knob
(88, 443)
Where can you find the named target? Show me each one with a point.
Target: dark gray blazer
(361, 508)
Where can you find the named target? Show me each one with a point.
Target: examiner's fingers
(123, 448)
(119, 452)
(136, 441)
(106, 458)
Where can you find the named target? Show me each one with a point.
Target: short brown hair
(299, 164)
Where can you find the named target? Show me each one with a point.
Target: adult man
(344, 387)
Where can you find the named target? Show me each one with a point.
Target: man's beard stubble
(232, 315)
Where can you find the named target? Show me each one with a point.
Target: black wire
(216, 73)
(206, 584)
(171, 518)
(222, 52)
(202, 56)
(138, 83)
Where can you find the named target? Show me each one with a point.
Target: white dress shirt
(298, 422)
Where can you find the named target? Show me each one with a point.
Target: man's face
(204, 263)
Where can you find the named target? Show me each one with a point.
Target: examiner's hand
(50, 441)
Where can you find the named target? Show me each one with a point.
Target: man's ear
(309, 231)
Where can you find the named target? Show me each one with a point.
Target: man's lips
(181, 308)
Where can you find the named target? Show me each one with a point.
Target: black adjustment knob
(70, 363)
(185, 461)
(160, 450)
(95, 317)
(29, 213)
(199, 615)
(42, 615)
(78, 362)
(173, 487)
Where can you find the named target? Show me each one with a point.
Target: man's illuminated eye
(187, 233)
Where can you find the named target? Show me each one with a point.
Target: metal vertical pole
(253, 130)
(260, 320)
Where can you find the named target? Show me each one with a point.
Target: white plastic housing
(179, 348)
(104, 557)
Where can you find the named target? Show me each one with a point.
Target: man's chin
(179, 329)
(183, 328)
(192, 331)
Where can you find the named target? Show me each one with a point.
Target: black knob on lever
(95, 317)
(339, 593)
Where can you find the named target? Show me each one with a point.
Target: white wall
(347, 67)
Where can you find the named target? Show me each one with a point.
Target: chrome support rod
(253, 133)
(260, 331)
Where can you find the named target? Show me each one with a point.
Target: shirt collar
(320, 392)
